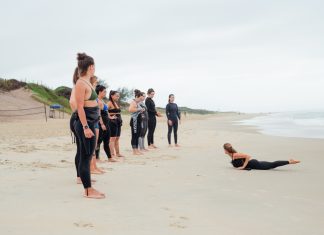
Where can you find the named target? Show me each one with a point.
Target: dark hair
(228, 147)
(100, 88)
(138, 93)
(84, 61)
(75, 75)
(170, 97)
(149, 91)
(111, 93)
(143, 93)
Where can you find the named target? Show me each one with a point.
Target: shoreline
(284, 126)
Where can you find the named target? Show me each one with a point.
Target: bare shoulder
(239, 155)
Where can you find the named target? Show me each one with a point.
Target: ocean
(290, 124)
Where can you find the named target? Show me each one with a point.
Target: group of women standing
(93, 122)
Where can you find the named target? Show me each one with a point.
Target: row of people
(94, 122)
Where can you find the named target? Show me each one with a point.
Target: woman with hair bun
(135, 122)
(87, 118)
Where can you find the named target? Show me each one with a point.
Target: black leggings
(87, 148)
(77, 155)
(263, 165)
(135, 136)
(175, 131)
(104, 136)
(151, 128)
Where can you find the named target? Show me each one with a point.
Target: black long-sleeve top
(172, 112)
(150, 107)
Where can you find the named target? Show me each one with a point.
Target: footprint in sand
(177, 225)
(165, 157)
(177, 220)
(83, 225)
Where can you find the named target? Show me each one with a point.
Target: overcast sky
(250, 56)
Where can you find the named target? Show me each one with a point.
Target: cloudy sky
(250, 56)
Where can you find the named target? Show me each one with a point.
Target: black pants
(104, 136)
(175, 131)
(73, 119)
(136, 132)
(263, 165)
(151, 129)
(87, 148)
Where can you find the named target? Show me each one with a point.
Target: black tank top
(118, 120)
(238, 162)
(115, 110)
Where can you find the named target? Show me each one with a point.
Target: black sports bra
(115, 110)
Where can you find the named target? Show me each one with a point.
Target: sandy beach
(187, 190)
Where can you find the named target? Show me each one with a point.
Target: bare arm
(133, 107)
(242, 156)
(72, 101)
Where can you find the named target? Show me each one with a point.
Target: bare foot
(150, 147)
(170, 146)
(112, 159)
(102, 171)
(292, 161)
(136, 152)
(177, 145)
(95, 172)
(145, 150)
(119, 155)
(92, 193)
(154, 146)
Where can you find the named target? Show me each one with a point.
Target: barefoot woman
(115, 125)
(173, 115)
(243, 161)
(73, 119)
(152, 113)
(135, 122)
(88, 116)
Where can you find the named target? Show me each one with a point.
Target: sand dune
(17, 100)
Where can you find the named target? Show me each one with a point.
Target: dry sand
(187, 190)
